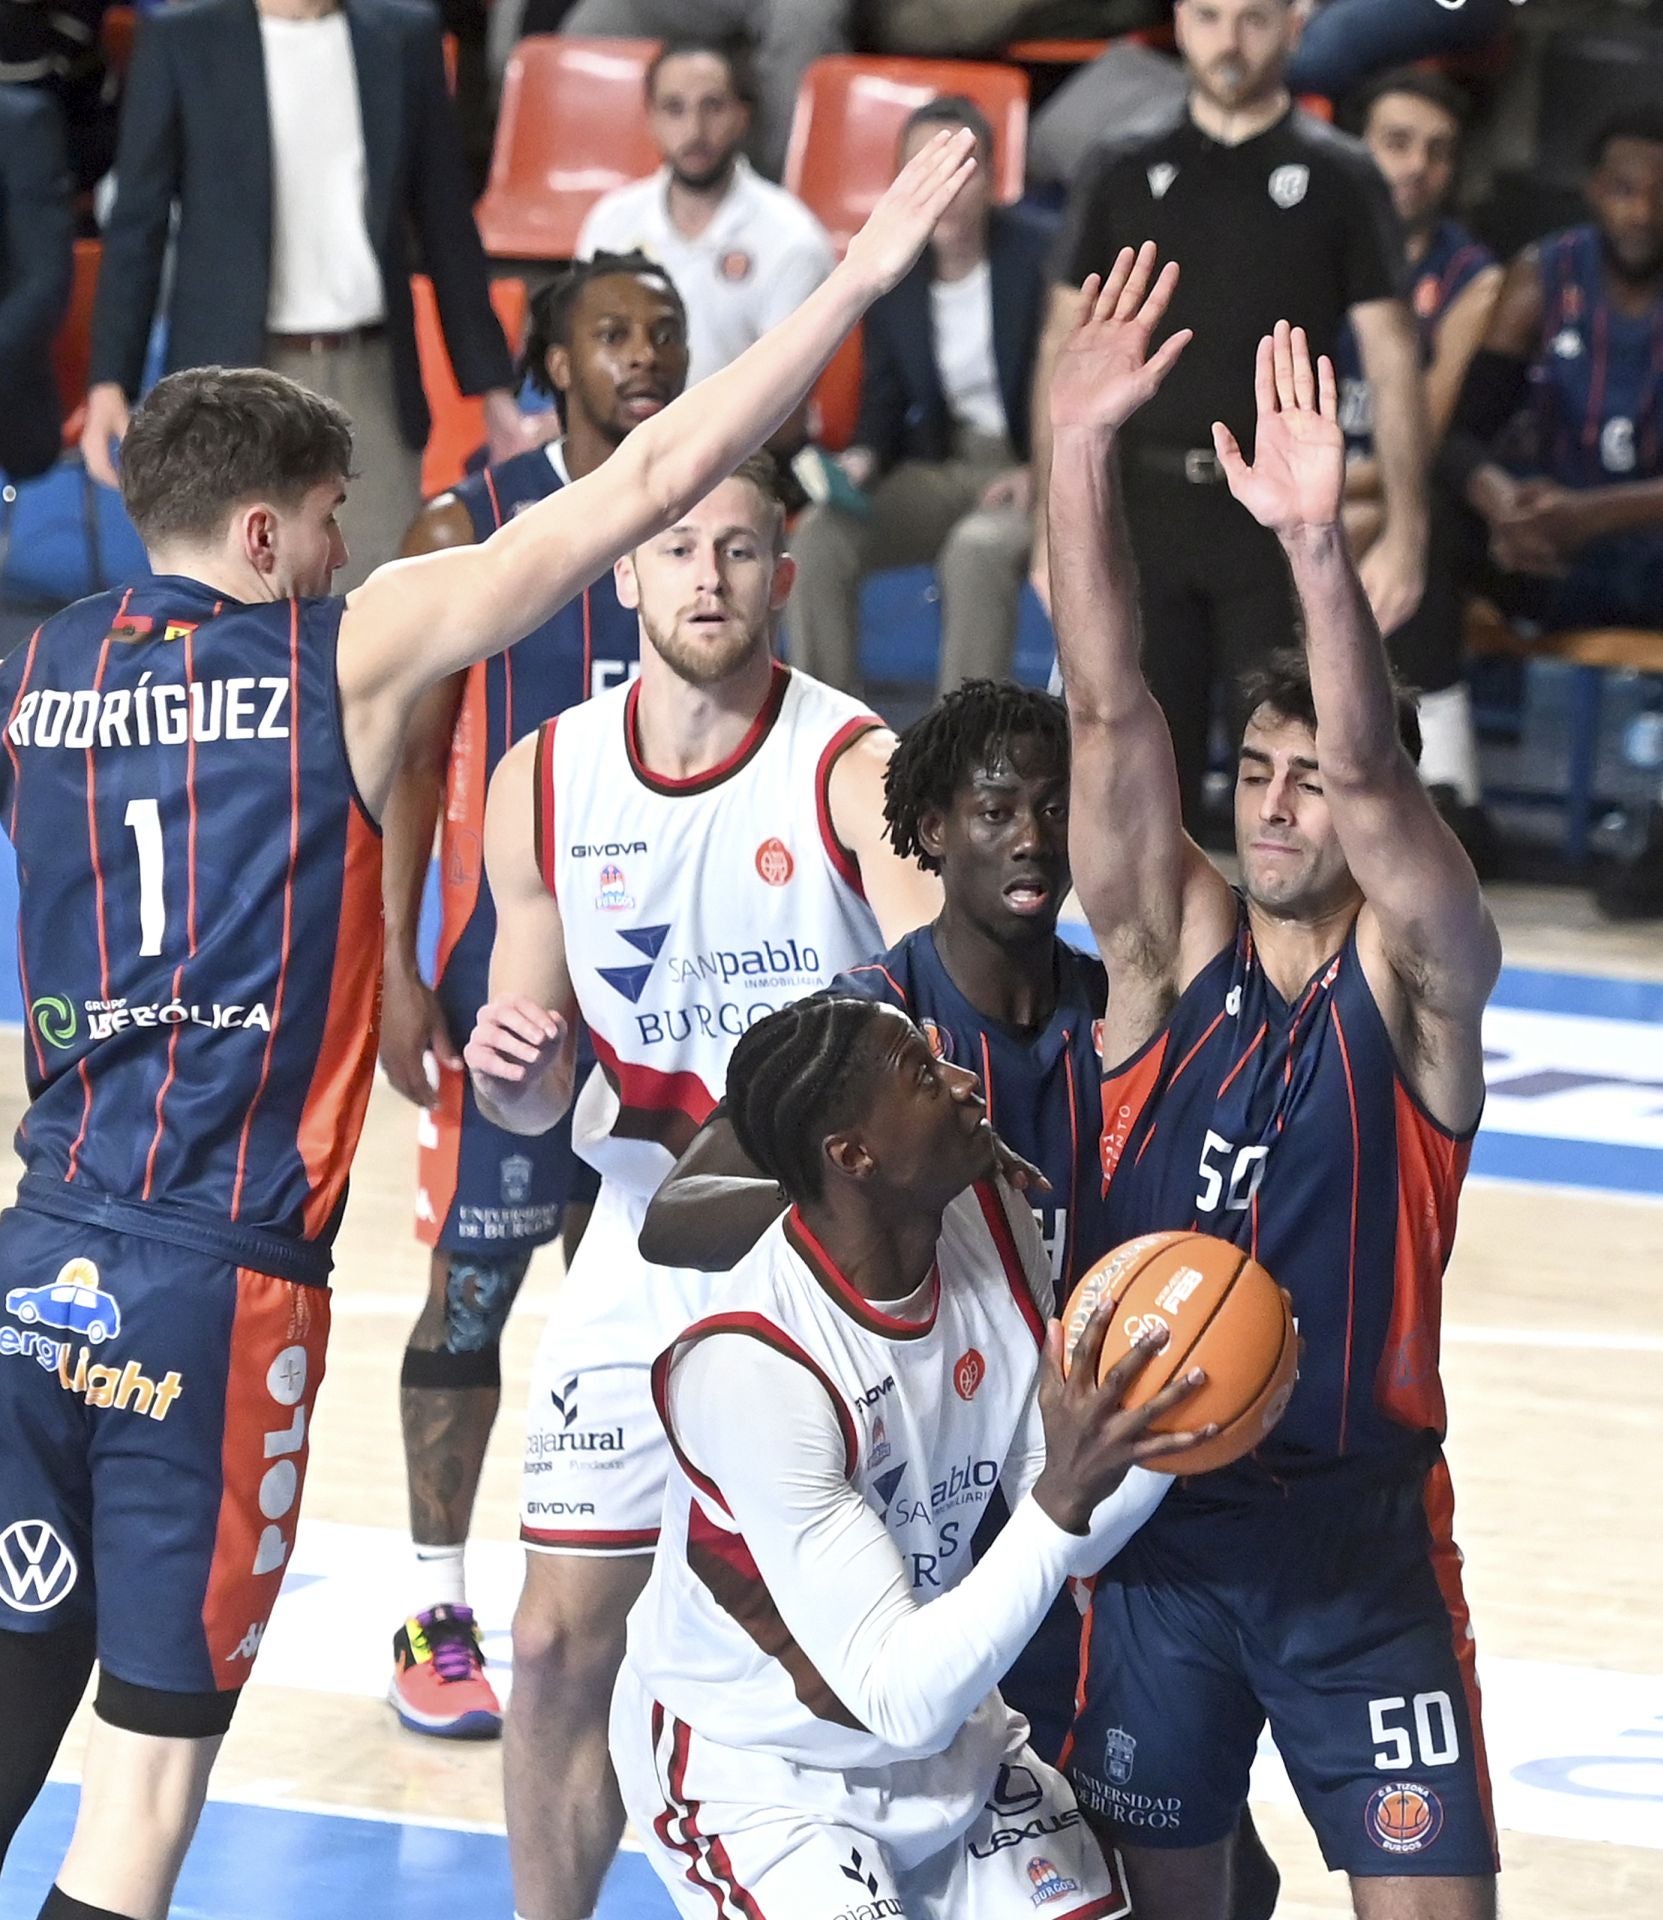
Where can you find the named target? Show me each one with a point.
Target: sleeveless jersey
(592, 643)
(1597, 379)
(692, 908)
(1289, 1130)
(200, 921)
(930, 1411)
(1453, 259)
(1043, 1089)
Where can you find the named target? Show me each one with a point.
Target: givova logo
(55, 1020)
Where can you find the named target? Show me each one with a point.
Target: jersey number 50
(1247, 1170)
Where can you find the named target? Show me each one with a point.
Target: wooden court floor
(1556, 1451)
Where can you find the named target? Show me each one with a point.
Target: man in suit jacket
(937, 472)
(37, 231)
(302, 142)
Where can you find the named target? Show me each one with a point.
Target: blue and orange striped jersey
(592, 643)
(1597, 379)
(1287, 1128)
(199, 926)
(1041, 1088)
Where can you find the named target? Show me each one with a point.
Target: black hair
(733, 50)
(1283, 684)
(800, 1073)
(552, 307)
(1423, 83)
(950, 110)
(1643, 120)
(967, 730)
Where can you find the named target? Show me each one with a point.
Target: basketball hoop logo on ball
(969, 1371)
(1404, 1817)
(937, 1038)
(774, 862)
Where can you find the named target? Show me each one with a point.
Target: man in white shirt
(809, 1703)
(303, 145)
(941, 445)
(742, 252)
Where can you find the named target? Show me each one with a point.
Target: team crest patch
(880, 1444)
(1403, 1817)
(939, 1039)
(1288, 184)
(1426, 296)
(1049, 1881)
(969, 1371)
(1616, 445)
(735, 265)
(1119, 1751)
(774, 862)
(614, 895)
(1567, 344)
(1161, 176)
(516, 1180)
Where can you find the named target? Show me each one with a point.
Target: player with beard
(670, 861)
(608, 341)
(1298, 1067)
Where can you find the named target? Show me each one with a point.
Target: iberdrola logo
(54, 1019)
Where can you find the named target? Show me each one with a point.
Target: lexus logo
(36, 1568)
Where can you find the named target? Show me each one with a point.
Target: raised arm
(1139, 876)
(900, 893)
(416, 621)
(1426, 936)
(713, 1205)
(521, 1054)
(1394, 570)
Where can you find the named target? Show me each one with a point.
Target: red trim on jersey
(288, 907)
(544, 844)
(1351, 1239)
(1073, 1159)
(1179, 1070)
(1596, 382)
(332, 1115)
(462, 829)
(1431, 1166)
(438, 1166)
(756, 733)
(754, 1326)
(864, 1312)
(622, 1540)
(588, 647)
(1126, 1094)
(1438, 1501)
(987, 1076)
(1082, 1672)
(874, 966)
(11, 834)
(1016, 1275)
(842, 859)
(98, 904)
(1252, 1048)
(491, 495)
(645, 1090)
(507, 699)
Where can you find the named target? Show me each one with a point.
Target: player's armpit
(900, 893)
(714, 1205)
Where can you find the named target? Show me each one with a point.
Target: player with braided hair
(608, 340)
(809, 1693)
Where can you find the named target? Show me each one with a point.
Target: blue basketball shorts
(1332, 1608)
(156, 1405)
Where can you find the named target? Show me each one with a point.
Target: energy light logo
(55, 1020)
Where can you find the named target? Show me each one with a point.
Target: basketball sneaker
(439, 1684)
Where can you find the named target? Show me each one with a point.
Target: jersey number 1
(145, 818)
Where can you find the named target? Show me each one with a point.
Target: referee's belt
(328, 342)
(1198, 465)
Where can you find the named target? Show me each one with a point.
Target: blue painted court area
(271, 1863)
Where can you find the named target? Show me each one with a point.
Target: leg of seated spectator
(982, 565)
(788, 35)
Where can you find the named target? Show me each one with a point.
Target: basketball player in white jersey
(808, 1721)
(672, 860)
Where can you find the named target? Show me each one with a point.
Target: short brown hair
(209, 438)
(762, 471)
(1283, 684)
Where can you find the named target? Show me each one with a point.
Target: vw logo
(36, 1568)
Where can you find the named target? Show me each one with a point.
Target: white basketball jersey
(692, 907)
(929, 1411)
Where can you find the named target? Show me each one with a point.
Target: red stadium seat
(835, 402)
(850, 111)
(115, 38)
(458, 420)
(72, 346)
(1055, 53)
(573, 125)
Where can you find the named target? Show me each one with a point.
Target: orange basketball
(1224, 1314)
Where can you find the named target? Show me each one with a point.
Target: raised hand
(1297, 478)
(1104, 370)
(513, 1042)
(905, 217)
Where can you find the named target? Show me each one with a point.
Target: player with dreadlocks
(608, 340)
(809, 1692)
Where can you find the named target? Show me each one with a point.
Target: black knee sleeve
(168, 1716)
(42, 1678)
(478, 1297)
(59, 1906)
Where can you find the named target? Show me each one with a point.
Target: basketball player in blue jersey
(608, 340)
(193, 773)
(1295, 1066)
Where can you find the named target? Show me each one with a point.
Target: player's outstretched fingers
(1304, 380)
(1022, 1174)
(1160, 363)
(1281, 353)
(1264, 375)
(1161, 1446)
(1328, 389)
(1159, 297)
(1137, 283)
(1126, 1369)
(1108, 292)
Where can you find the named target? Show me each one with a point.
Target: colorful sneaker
(439, 1685)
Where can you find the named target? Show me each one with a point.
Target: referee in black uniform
(1271, 215)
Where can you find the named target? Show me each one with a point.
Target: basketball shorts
(156, 1405)
(479, 1189)
(1331, 1607)
(737, 1832)
(596, 1457)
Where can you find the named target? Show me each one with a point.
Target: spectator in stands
(1346, 42)
(787, 36)
(1562, 520)
(1271, 215)
(323, 137)
(36, 261)
(938, 467)
(57, 49)
(1412, 123)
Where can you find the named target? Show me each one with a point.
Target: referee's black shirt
(1295, 224)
